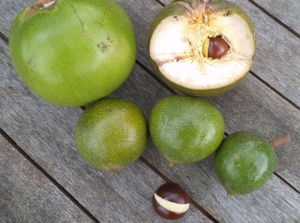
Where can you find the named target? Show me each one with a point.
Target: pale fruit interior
(176, 47)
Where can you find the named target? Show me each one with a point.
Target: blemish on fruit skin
(80, 20)
(103, 47)
(29, 62)
(112, 169)
(109, 38)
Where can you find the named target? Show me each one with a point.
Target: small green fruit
(202, 48)
(71, 53)
(185, 129)
(244, 163)
(111, 134)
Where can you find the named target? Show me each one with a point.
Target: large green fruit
(185, 129)
(111, 134)
(244, 162)
(72, 52)
(202, 48)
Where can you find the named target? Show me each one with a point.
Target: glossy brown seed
(170, 201)
(217, 47)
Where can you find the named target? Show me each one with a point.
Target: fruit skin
(213, 6)
(185, 129)
(244, 162)
(74, 52)
(111, 134)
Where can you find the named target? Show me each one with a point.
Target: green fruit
(185, 129)
(111, 134)
(244, 163)
(202, 48)
(71, 53)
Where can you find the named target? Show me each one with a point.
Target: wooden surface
(43, 178)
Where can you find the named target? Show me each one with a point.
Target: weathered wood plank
(45, 132)
(258, 104)
(178, 173)
(267, 120)
(26, 195)
(284, 110)
(251, 106)
(275, 63)
(285, 11)
(8, 11)
(228, 106)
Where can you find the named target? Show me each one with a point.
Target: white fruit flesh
(176, 47)
(171, 206)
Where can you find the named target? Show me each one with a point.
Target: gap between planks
(55, 183)
(253, 2)
(159, 80)
(275, 90)
(286, 182)
(144, 160)
(192, 201)
(225, 134)
(5, 38)
(66, 193)
(291, 30)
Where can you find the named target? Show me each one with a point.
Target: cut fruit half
(202, 48)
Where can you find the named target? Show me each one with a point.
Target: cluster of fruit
(112, 133)
(72, 53)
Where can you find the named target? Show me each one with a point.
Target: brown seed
(170, 201)
(215, 47)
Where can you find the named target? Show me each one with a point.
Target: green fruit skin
(74, 53)
(111, 134)
(185, 129)
(244, 163)
(174, 9)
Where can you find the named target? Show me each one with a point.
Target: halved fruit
(202, 48)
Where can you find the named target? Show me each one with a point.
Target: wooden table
(43, 178)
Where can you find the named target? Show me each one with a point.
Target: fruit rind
(185, 129)
(244, 162)
(83, 69)
(111, 134)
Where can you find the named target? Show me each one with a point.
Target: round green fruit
(185, 129)
(202, 48)
(111, 134)
(71, 53)
(244, 163)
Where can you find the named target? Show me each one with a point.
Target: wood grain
(275, 63)
(250, 108)
(26, 195)
(45, 133)
(266, 102)
(284, 12)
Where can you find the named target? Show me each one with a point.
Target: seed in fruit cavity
(215, 47)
